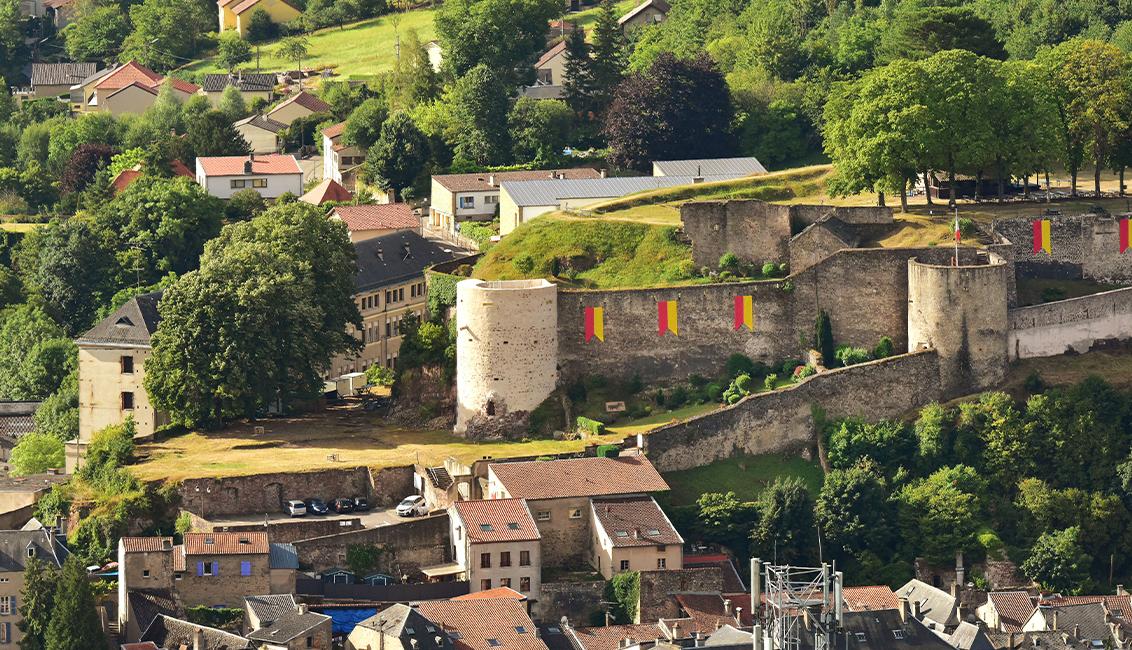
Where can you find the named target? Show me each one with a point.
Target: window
(624, 565)
(545, 76)
(524, 584)
(485, 560)
(661, 548)
(520, 629)
(620, 533)
(5, 633)
(413, 291)
(494, 643)
(211, 569)
(401, 293)
(524, 558)
(5, 605)
(543, 515)
(127, 365)
(459, 532)
(661, 563)
(127, 401)
(310, 641)
(491, 199)
(467, 202)
(575, 513)
(898, 635)
(145, 573)
(485, 584)
(239, 185)
(487, 528)
(860, 637)
(31, 551)
(654, 532)
(245, 568)
(513, 526)
(259, 182)
(388, 297)
(505, 582)
(505, 558)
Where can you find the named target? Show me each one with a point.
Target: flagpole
(956, 235)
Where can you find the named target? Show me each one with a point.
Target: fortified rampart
(1073, 325)
(1081, 246)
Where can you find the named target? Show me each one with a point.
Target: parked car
(317, 507)
(361, 504)
(295, 508)
(343, 506)
(412, 506)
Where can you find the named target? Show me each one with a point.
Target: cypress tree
(74, 621)
(578, 77)
(37, 600)
(607, 67)
(823, 338)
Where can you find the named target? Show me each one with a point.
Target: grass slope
(746, 476)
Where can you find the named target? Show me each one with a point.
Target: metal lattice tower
(801, 603)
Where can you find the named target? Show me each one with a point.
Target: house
(284, 563)
(390, 286)
(144, 607)
(340, 161)
(56, 79)
(550, 74)
(260, 610)
(126, 177)
(301, 104)
(869, 598)
(399, 627)
(261, 133)
(17, 419)
(20, 494)
(293, 630)
(558, 493)
(1006, 611)
(884, 629)
(32, 8)
(369, 221)
(271, 175)
(495, 543)
(968, 636)
(252, 86)
(522, 201)
(705, 613)
(632, 534)
(1084, 623)
(328, 191)
(236, 14)
(929, 603)
(649, 12)
(484, 624)
(475, 197)
(435, 55)
(112, 357)
(168, 632)
(494, 592)
(62, 12)
(221, 568)
(709, 169)
(131, 89)
(145, 565)
(610, 637)
(16, 548)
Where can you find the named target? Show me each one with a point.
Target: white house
(709, 169)
(475, 197)
(340, 161)
(271, 175)
(261, 133)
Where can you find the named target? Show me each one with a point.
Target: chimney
(1054, 624)
(727, 606)
(915, 609)
(903, 609)
(166, 544)
(1009, 641)
(491, 180)
(960, 570)
(406, 252)
(248, 165)
(1120, 590)
(955, 590)
(1076, 631)
(675, 631)
(604, 173)
(302, 608)
(738, 616)
(198, 639)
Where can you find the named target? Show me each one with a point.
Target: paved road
(370, 519)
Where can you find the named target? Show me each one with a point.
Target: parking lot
(370, 519)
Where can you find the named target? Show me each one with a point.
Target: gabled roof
(709, 611)
(146, 544)
(659, 5)
(242, 543)
(634, 521)
(1087, 619)
(306, 100)
(497, 520)
(410, 626)
(147, 604)
(334, 131)
(289, 627)
(244, 5)
(1014, 608)
(968, 636)
(487, 181)
(709, 167)
(397, 257)
(61, 74)
(388, 216)
(876, 631)
(133, 85)
(261, 122)
(496, 592)
(609, 637)
(131, 324)
(326, 191)
(551, 192)
(270, 607)
(134, 72)
(549, 55)
(17, 546)
(729, 635)
(169, 632)
(935, 604)
(479, 622)
(283, 556)
(262, 165)
(578, 477)
(869, 598)
(244, 81)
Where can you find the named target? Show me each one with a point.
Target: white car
(295, 508)
(412, 506)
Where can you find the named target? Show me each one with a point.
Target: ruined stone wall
(284, 531)
(406, 546)
(1080, 246)
(813, 245)
(657, 588)
(755, 231)
(1073, 325)
(577, 601)
(783, 420)
(260, 493)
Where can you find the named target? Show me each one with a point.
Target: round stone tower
(506, 354)
(961, 312)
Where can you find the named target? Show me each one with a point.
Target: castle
(518, 340)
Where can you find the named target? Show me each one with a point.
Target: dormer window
(124, 322)
(209, 540)
(31, 551)
(487, 528)
(513, 526)
(898, 635)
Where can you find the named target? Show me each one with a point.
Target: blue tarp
(343, 621)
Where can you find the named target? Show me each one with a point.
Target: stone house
(294, 630)
(632, 534)
(16, 548)
(1006, 611)
(168, 632)
(271, 175)
(495, 543)
(484, 624)
(235, 14)
(558, 494)
(301, 104)
(261, 610)
(219, 569)
(144, 564)
(112, 358)
(398, 627)
(649, 12)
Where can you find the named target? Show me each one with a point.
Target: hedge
(593, 427)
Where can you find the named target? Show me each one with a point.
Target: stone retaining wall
(1073, 325)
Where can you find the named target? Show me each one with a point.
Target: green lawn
(356, 50)
(12, 226)
(588, 17)
(656, 420)
(746, 476)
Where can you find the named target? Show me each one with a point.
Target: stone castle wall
(406, 546)
(1080, 246)
(783, 420)
(755, 231)
(1073, 325)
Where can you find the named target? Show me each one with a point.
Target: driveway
(370, 519)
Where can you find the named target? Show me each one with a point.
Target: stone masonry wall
(658, 586)
(285, 531)
(783, 420)
(1074, 325)
(1080, 246)
(755, 231)
(577, 601)
(407, 546)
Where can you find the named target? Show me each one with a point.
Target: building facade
(271, 175)
(496, 544)
(17, 547)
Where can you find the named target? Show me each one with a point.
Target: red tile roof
(390, 216)
(125, 178)
(146, 544)
(262, 164)
(497, 520)
(134, 72)
(249, 543)
(609, 637)
(179, 563)
(482, 181)
(497, 592)
(180, 169)
(477, 621)
(635, 521)
(307, 101)
(578, 477)
(1014, 608)
(869, 598)
(334, 131)
(709, 611)
(326, 191)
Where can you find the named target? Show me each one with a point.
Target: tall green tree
(35, 453)
(35, 354)
(363, 126)
(577, 76)
(940, 514)
(166, 34)
(232, 50)
(294, 48)
(540, 130)
(97, 33)
(479, 110)
(13, 52)
(74, 621)
(507, 36)
(37, 602)
(212, 134)
(853, 511)
(232, 104)
(1058, 563)
(610, 56)
(785, 531)
(918, 30)
(414, 79)
(399, 156)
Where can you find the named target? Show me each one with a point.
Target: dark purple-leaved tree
(84, 164)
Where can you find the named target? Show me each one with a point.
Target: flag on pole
(666, 317)
(1041, 236)
(1125, 234)
(745, 312)
(595, 323)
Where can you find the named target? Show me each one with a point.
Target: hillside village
(583, 325)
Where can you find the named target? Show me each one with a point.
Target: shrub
(883, 349)
(1034, 383)
(789, 365)
(739, 364)
(729, 262)
(770, 382)
(770, 269)
(524, 263)
(378, 375)
(823, 337)
(967, 228)
(659, 397)
(784, 269)
(244, 205)
(850, 356)
(697, 381)
(635, 384)
(803, 372)
(608, 451)
(678, 397)
(592, 427)
(743, 383)
(227, 618)
(714, 392)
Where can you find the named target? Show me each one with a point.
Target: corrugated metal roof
(551, 192)
(709, 167)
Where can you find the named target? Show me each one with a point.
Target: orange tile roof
(249, 543)
(146, 544)
(1014, 608)
(390, 216)
(709, 611)
(334, 131)
(609, 637)
(497, 592)
(634, 521)
(263, 164)
(248, 4)
(307, 101)
(578, 477)
(179, 563)
(497, 520)
(869, 598)
(134, 72)
(327, 190)
(477, 621)
(180, 169)
(125, 178)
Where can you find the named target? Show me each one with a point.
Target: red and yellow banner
(595, 323)
(1125, 234)
(666, 317)
(1041, 236)
(745, 312)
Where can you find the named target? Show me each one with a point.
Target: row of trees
(957, 112)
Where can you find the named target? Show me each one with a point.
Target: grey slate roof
(550, 192)
(265, 123)
(60, 74)
(245, 81)
(409, 625)
(146, 605)
(271, 607)
(398, 257)
(1088, 620)
(728, 635)
(169, 632)
(879, 630)
(131, 324)
(709, 167)
(968, 636)
(935, 604)
(283, 556)
(289, 627)
(15, 547)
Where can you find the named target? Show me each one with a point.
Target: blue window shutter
(14, 610)
(200, 569)
(216, 568)
(245, 568)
